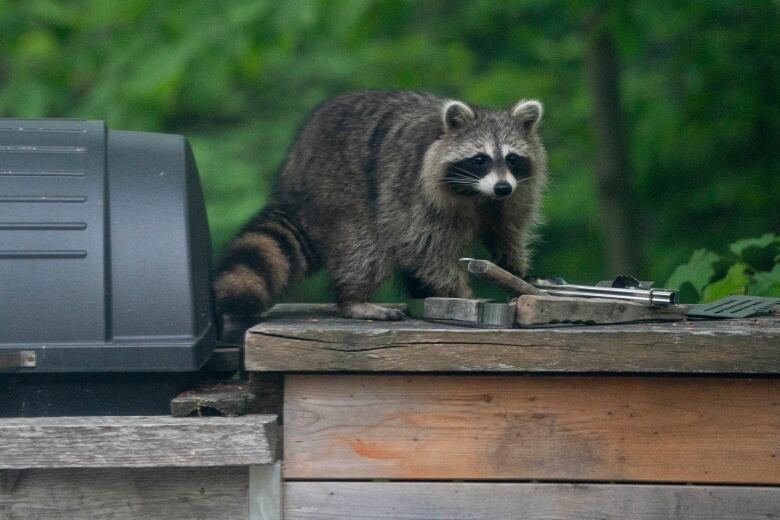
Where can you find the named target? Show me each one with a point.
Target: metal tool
(657, 297)
(620, 289)
(624, 281)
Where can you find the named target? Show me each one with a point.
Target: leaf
(734, 282)
(687, 294)
(697, 272)
(766, 283)
(759, 259)
(761, 242)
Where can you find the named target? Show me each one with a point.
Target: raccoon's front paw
(370, 311)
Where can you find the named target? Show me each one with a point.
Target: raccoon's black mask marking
(519, 166)
(463, 176)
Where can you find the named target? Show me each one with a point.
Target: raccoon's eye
(519, 165)
(479, 159)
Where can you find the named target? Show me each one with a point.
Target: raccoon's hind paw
(370, 311)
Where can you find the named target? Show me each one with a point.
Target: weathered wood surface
(464, 310)
(313, 338)
(477, 501)
(265, 492)
(544, 310)
(651, 429)
(229, 400)
(90, 442)
(128, 494)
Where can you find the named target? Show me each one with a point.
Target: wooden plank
(226, 399)
(265, 492)
(543, 310)
(128, 494)
(314, 338)
(9, 478)
(470, 501)
(89, 442)
(656, 429)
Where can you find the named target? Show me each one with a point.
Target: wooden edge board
(529, 501)
(573, 428)
(265, 492)
(144, 441)
(216, 493)
(319, 344)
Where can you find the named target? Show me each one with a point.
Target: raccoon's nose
(502, 188)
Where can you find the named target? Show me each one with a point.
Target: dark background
(662, 118)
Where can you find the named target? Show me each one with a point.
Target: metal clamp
(18, 359)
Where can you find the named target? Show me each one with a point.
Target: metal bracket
(18, 359)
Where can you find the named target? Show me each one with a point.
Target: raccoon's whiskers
(461, 178)
(463, 172)
(459, 181)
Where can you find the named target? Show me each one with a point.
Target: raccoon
(379, 182)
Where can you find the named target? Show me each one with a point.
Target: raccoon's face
(488, 153)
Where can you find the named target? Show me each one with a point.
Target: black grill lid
(104, 250)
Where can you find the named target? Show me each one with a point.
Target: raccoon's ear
(528, 113)
(456, 115)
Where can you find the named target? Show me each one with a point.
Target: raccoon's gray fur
(380, 182)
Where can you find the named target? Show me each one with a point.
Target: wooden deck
(510, 501)
(414, 420)
(533, 428)
(617, 422)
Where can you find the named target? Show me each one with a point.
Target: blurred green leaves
(691, 278)
(751, 266)
(701, 84)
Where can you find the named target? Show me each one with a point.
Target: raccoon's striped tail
(270, 252)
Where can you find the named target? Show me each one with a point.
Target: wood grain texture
(89, 442)
(542, 310)
(312, 338)
(265, 492)
(658, 429)
(228, 400)
(476, 501)
(128, 494)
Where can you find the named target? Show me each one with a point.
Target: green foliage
(701, 93)
(751, 266)
(691, 278)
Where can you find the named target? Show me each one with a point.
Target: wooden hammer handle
(491, 272)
